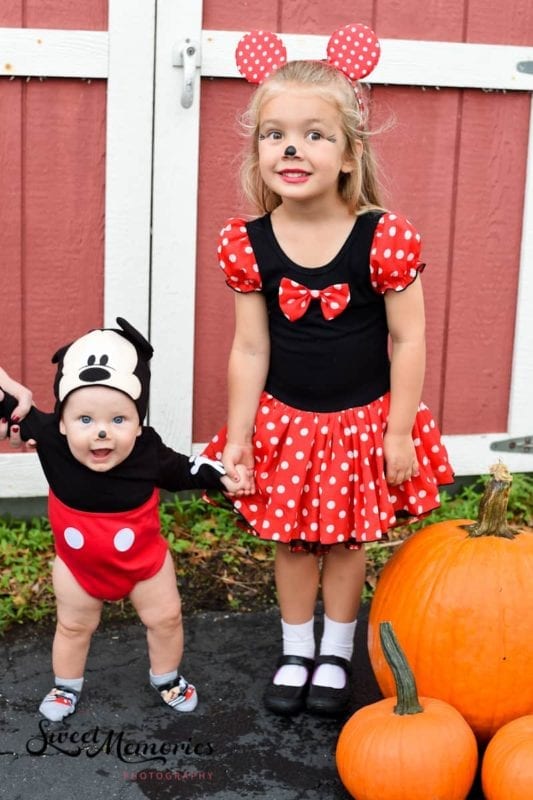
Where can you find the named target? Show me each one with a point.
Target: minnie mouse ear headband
(353, 49)
(118, 358)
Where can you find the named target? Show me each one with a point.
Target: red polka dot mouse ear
(355, 50)
(258, 54)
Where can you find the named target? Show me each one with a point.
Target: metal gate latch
(521, 444)
(186, 54)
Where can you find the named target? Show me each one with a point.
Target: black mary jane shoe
(326, 701)
(288, 700)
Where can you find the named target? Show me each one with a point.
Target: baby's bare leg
(78, 615)
(158, 604)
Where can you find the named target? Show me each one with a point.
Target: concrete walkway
(124, 743)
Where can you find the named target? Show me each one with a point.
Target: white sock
(59, 703)
(298, 640)
(337, 640)
(166, 677)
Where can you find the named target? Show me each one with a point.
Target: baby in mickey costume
(104, 469)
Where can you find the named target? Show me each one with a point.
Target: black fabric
(316, 364)
(151, 464)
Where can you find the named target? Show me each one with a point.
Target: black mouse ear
(59, 355)
(142, 345)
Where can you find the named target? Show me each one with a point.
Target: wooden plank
(21, 476)
(11, 230)
(317, 17)
(219, 198)
(441, 20)
(521, 401)
(486, 247)
(128, 183)
(407, 62)
(221, 15)
(50, 53)
(422, 188)
(63, 201)
(59, 14)
(11, 14)
(175, 191)
(490, 22)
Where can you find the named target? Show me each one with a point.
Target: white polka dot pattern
(258, 54)
(355, 50)
(395, 254)
(236, 257)
(335, 489)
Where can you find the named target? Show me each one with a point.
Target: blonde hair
(360, 188)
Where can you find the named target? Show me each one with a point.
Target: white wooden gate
(153, 57)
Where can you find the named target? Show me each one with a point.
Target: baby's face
(101, 425)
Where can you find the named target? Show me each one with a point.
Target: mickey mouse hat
(114, 357)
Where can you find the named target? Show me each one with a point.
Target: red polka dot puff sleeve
(395, 254)
(236, 257)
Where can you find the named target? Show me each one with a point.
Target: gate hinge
(520, 444)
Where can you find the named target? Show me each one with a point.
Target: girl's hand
(401, 463)
(236, 456)
(243, 485)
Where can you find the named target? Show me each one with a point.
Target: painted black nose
(101, 434)
(290, 150)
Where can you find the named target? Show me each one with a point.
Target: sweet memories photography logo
(96, 741)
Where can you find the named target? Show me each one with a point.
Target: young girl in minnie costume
(104, 469)
(341, 446)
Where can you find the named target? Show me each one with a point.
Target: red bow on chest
(294, 299)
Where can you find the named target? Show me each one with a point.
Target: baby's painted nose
(290, 151)
(102, 434)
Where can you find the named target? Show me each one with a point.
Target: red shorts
(109, 553)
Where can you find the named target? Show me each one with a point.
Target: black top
(316, 364)
(150, 465)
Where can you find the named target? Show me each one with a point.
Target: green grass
(220, 564)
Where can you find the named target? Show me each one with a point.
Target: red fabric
(109, 553)
(258, 54)
(320, 477)
(355, 50)
(294, 299)
(394, 256)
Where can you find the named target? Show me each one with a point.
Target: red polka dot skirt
(320, 477)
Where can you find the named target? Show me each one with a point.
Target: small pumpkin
(507, 768)
(406, 747)
(460, 596)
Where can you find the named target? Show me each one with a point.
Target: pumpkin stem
(404, 679)
(492, 515)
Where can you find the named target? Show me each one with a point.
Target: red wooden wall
(453, 162)
(52, 170)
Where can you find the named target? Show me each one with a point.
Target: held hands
(243, 482)
(238, 460)
(400, 458)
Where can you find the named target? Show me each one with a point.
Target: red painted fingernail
(14, 429)
(3, 420)
(15, 419)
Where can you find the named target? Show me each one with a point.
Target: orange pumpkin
(406, 748)
(507, 769)
(460, 596)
